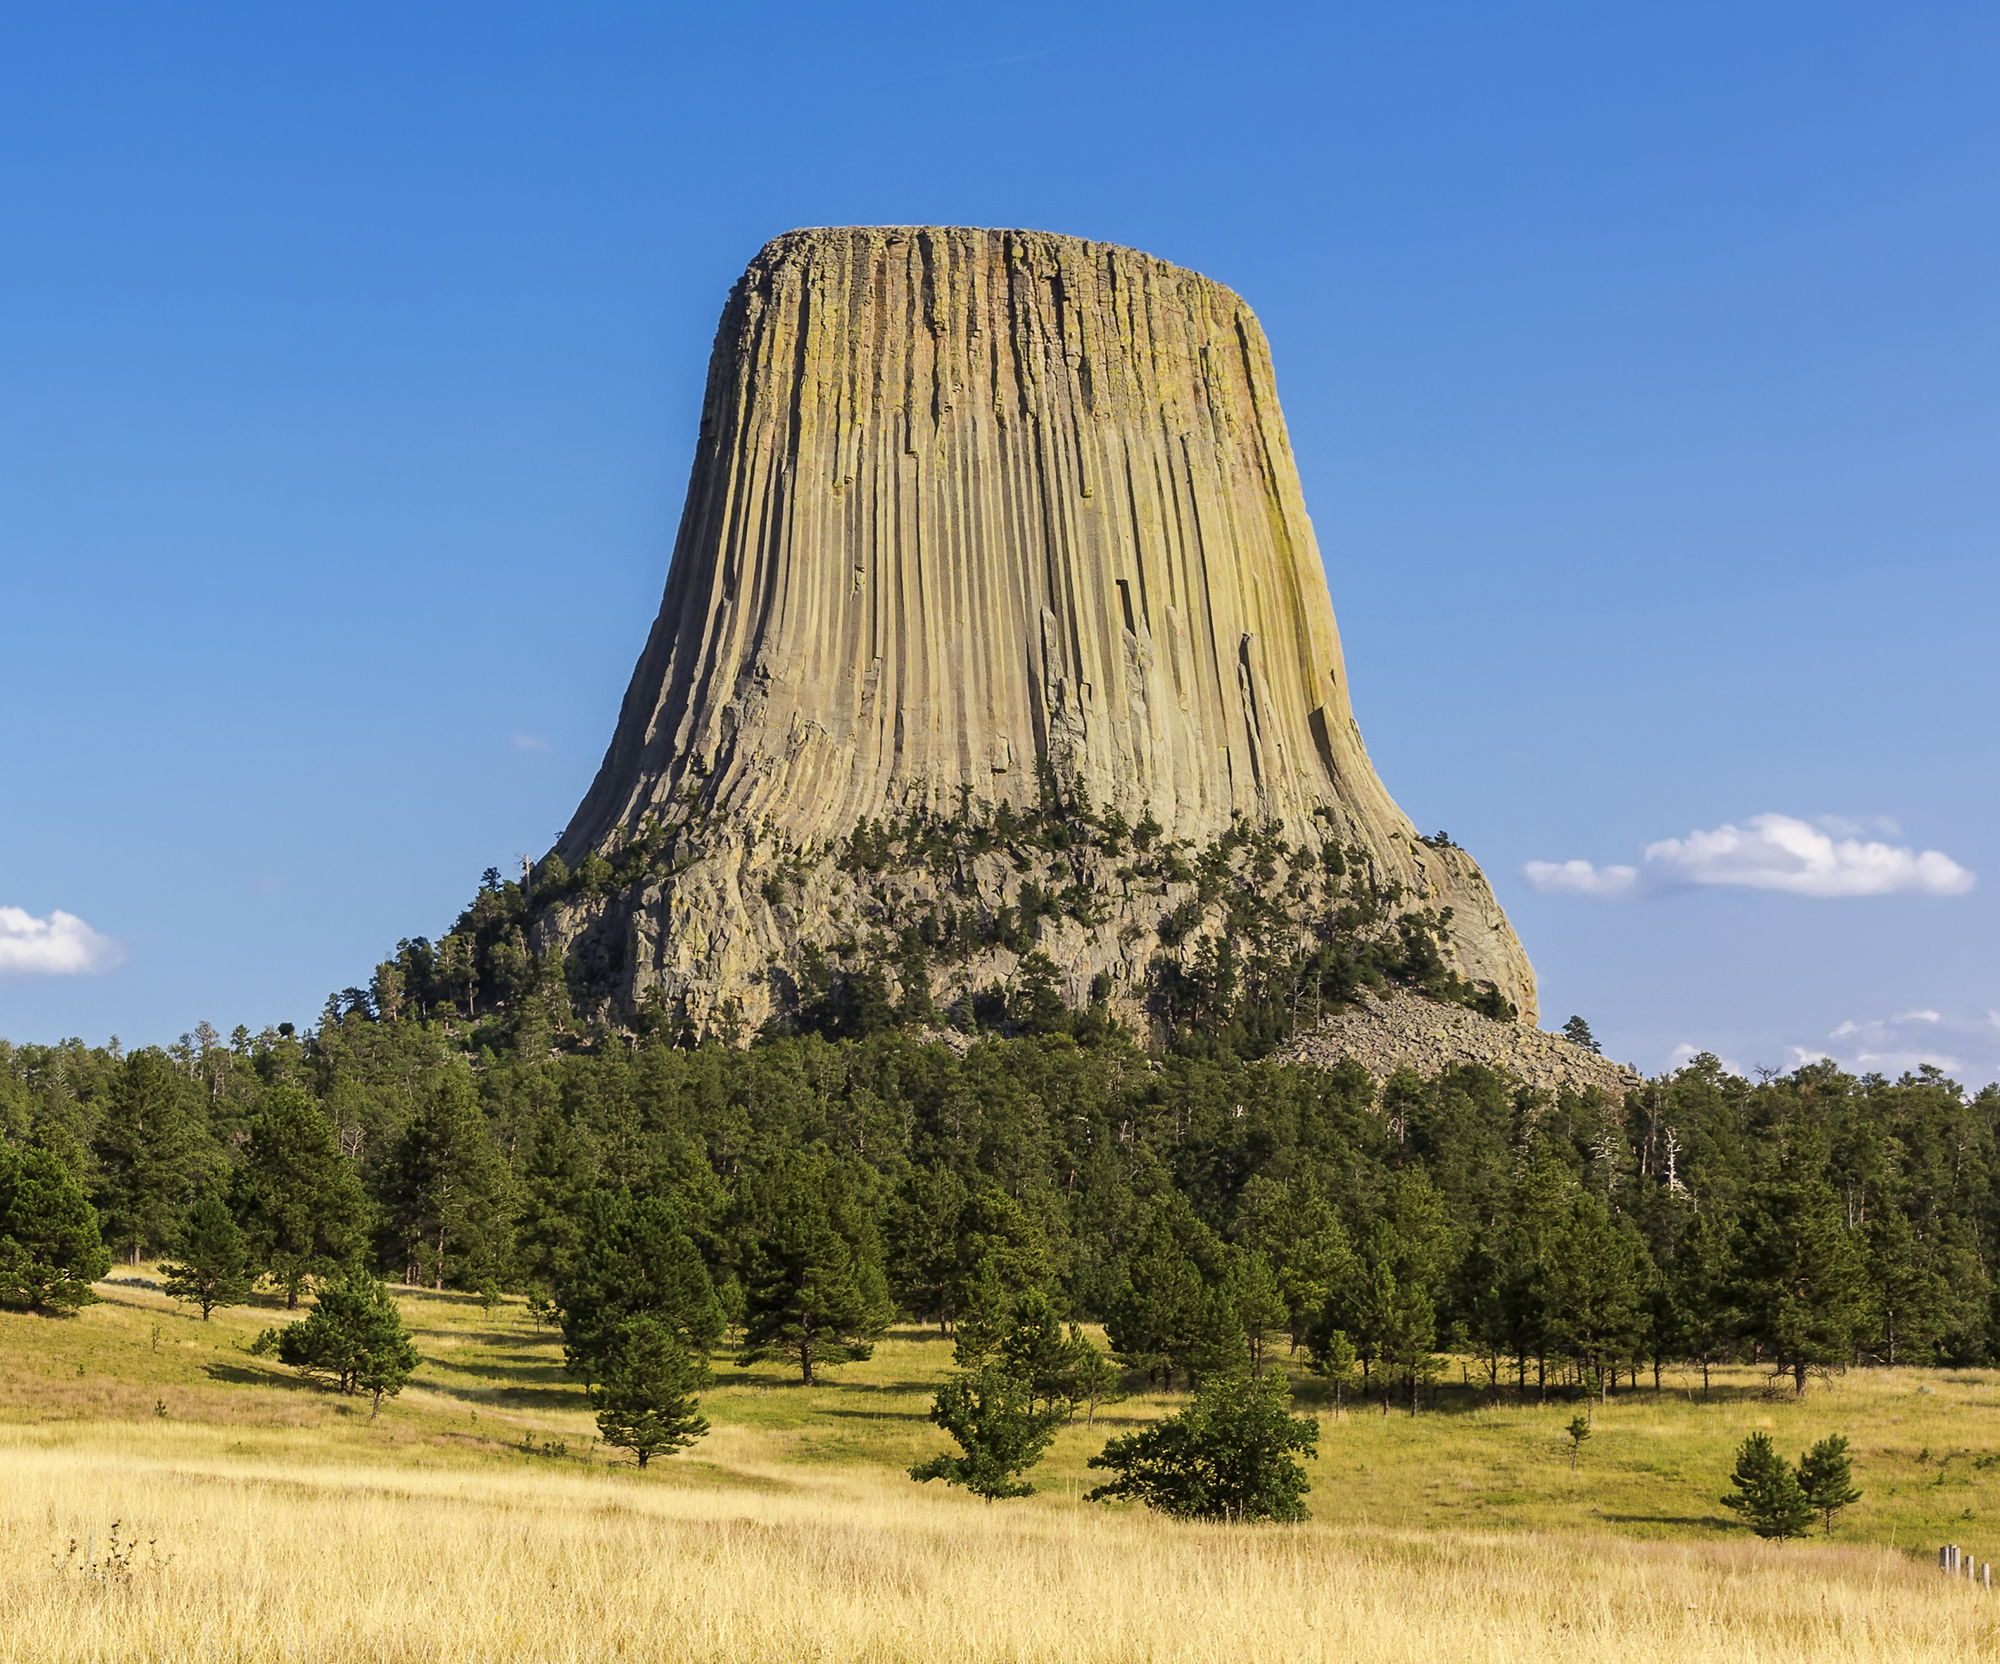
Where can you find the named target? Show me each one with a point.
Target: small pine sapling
(354, 1341)
(646, 1402)
(213, 1266)
(1827, 1479)
(1578, 1431)
(1766, 1491)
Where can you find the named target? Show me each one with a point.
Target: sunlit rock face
(976, 517)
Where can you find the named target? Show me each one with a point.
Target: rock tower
(976, 518)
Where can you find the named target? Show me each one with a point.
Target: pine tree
(991, 1414)
(1577, 1032)
(354, 1340)
(456, 1211)
(1910, 1298)
(147, 1145)
(1578, 1431)
(1230, 1455)
(646, 1402)
(50, 1252)
(631, 1260)
(1766, 1491)
(1259, 1303)
(1702, 1281)
(1827, 1478)
(1333, 1359)
(1800, 1282)
(813, 1300)
(1037, 1353)
(213, 1268)
(297, 1194)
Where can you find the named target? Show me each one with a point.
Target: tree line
(1203, 1208)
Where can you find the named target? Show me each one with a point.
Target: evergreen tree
(1766, 1492)
(1702, 1278)
(1590, 1287)
(50, 1252)
(1579, 1431)
(1577, 1032)
(147, 1149)
(632, 1260)
(646, 1402)
(1310, 1253)
(813, 1301)
(299, 1198)
(1037, 1353)
(1334, 1359)
(1827, 1478)
(1258, 1301)
(1230, 1455)
(924, 1237)
(354, 1340)
(1800, 1282)
(982, 1314)
(213, 1268)
(455, 1213)
(1910, 1299)
(991, 1414)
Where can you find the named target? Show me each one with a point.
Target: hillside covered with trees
(1210, 1211)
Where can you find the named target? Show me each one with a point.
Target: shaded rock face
(976, 518)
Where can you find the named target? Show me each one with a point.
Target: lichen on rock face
(994, 559)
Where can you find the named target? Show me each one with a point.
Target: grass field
(277, 1521)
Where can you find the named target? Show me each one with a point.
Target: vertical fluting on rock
(966, 503)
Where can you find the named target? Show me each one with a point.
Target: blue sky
(1642, 362)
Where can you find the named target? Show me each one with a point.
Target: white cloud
(1687, 1051)
(1580, 878)
(1774, 852)
(531, 743)
(60, 945)
(1963, 1047)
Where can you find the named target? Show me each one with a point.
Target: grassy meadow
(478, 1519)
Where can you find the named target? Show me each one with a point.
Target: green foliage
(646, 1400)
(991, 1414)
(1826, 1477)
(1232, 1454)
(453, 1205)
(1800, 1279)
(354, 1340)
(813, 1300)
(148, 1151)
(1766, 1493)
(632, 1261)
(50, 1253)
(297, 1194)
(1577, 1032)
(1578, 1431)
(213, 1259)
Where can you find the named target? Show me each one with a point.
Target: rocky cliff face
(983, 519)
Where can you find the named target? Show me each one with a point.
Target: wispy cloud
(531, 743)
(1966, 1048)
(60, 945)
(1770, 852)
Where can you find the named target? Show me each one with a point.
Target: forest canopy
(1205, 1208)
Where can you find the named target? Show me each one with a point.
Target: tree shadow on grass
(878, 1415)
(1663, 1519)
(539, 1370)
(241, 1375)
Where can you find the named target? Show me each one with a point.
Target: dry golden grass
(284, 1559)
(285, 1525)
